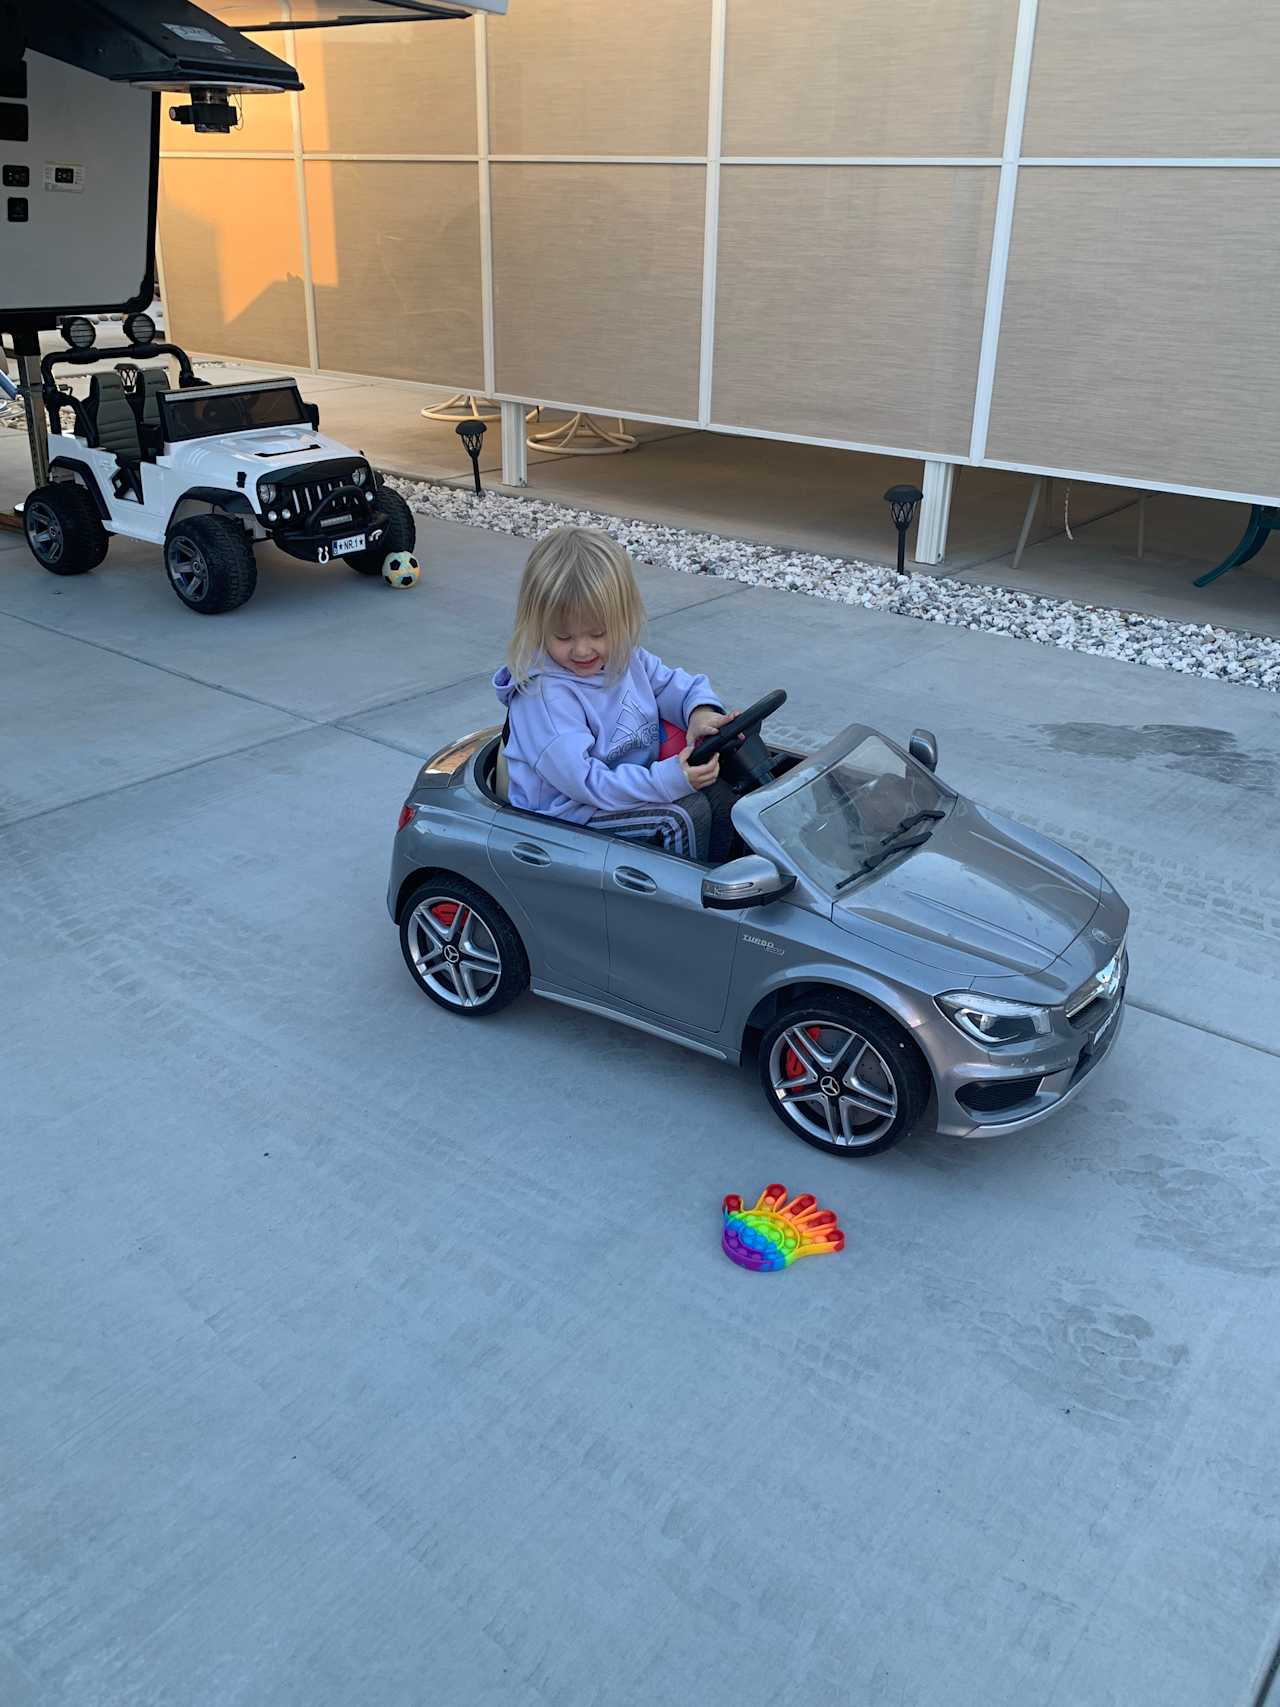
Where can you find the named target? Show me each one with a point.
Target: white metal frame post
(1002, 235)
(515, 447)
(711, 232)
(935, 512)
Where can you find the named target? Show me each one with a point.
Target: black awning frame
(397, 12)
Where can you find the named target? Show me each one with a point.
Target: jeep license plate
(344, 547)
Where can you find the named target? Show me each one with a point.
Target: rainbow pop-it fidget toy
(773, 1233)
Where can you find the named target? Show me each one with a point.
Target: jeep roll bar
(56, 401)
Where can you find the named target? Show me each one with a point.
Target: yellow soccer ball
(401, 570)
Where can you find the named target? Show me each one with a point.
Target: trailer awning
(260, 16)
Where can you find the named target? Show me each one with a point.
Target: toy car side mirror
(924, 748)
(752, 881)
(313, 415)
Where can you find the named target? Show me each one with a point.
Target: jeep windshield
(868, 805)
(210, 411)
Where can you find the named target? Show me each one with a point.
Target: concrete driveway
(359, 1357)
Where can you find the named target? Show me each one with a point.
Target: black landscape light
(902, 501)
(472, 435)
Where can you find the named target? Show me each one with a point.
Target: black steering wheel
(739, 740)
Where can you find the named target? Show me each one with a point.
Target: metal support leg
(37, 426)
(1033, 503)
(515, 451)
(935, 512)
(1142, 524)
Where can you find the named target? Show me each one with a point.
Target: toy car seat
(154, 381)
(115, 428)
(501, 776)
(114, 423)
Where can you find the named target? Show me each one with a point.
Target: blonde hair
(575, 574)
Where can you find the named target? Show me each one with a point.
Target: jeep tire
(63, 528)
(210, 563)
(399, 534)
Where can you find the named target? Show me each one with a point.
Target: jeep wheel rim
(44, 531)
(833, 1083)
(454, 952)
(187, 569)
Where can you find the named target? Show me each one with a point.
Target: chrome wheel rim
(836, 1086)
(44, 531)
(187, 569)
(454, 952)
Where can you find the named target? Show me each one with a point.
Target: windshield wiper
(911, 822)
(890, 845)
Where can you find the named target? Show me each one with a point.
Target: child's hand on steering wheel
(707, 721)
(699, 776)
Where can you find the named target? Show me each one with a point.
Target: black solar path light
(472, 435)
(902, 501)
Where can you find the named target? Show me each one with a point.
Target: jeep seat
(114, 423)
(152, 382)
(155, 381)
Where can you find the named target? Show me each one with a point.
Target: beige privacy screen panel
(389, 89)
(1189, 78)
(600, 77)
(598, 285)
(810, 77)
(233, 258)
(850, 301)
(1137, 327)
(395, 258)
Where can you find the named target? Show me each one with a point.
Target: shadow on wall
(396, 269)
(203, 293)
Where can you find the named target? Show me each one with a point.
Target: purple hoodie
(579, 745)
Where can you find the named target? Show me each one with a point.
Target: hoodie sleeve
(677, 692)
(566, 763)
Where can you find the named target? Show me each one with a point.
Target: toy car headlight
(992, 1020)
(80, 334)
(359, 476)
(266, 493)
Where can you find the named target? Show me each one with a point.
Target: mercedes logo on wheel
(830, 1086)
(451, 955)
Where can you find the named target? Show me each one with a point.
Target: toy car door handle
(529, 853)
(627, 877)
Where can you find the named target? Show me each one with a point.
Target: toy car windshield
(214, 410)
(841, 818)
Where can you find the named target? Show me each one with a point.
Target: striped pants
(697, 826)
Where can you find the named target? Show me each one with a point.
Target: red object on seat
(674, 741)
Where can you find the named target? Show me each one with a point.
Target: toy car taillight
(406, 814)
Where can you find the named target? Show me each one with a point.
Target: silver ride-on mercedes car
(204, 471)
(883, 948)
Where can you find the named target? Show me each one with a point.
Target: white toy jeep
(204, 471)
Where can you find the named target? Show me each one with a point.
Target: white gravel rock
(1190, 649)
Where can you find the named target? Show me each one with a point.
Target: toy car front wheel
(210, 563)
(843, 1077)
(399, 534)
(63, 529)
(462, 948)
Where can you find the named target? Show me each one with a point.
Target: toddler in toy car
(586, 707)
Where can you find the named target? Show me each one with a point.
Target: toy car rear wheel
(210, 563)
(843, 1077)
(461, 948)
(63, 528)
(399, 534)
